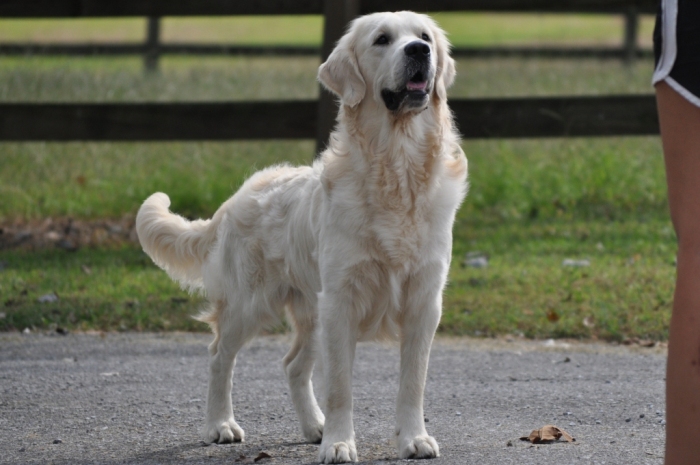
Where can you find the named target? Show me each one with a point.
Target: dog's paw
(338, 452)
(224, 432)
(313, 428)
(419, 447)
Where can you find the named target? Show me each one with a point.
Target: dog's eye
(382, 40)
(425, 37)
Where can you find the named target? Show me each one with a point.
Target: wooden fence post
(150, 58)
(631, 29)
(336, 15)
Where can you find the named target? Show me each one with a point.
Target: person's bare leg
(680, 133)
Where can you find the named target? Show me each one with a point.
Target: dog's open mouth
(417, 83)
(413, 93)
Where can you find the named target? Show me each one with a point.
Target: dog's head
(399, 60)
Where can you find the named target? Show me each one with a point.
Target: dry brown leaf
(639, 342)
(547, 433)
(261, 456)
(553, 316)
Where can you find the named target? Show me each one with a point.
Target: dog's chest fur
(386, 200)
(399, 194)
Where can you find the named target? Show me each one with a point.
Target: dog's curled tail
(175, 244)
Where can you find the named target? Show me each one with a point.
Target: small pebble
(628, 420)
(48, 298)
(458, 413)
(478, 262)
(57, 441)
(598, 422)
(641, 416)
(576, 263)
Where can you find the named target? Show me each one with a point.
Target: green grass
(123, 291)
(215, 79)
(487, 29)
(107, 180)
(532, 203)
(181, 79)
(625, 292)
(597, 179)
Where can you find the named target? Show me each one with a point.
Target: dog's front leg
(337, 343)
(422, 316)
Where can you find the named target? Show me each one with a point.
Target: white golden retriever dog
(355, 247)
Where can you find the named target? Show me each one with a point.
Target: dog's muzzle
(414, 92)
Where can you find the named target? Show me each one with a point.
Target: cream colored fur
(356, 246)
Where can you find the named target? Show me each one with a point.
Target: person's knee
(689, 249)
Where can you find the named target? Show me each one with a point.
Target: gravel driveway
(139, 398)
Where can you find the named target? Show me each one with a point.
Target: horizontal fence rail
(97, 8)
(476, 118)
(551, 52)
(557, 117)
(18, 49)
(283, 50)
(525, 6)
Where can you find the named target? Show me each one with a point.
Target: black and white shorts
(677, 47)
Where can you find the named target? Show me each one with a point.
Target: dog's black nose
(417, 50)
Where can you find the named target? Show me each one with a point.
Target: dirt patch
(67, 233)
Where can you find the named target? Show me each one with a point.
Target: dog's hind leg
(231, 333)
(298, 365)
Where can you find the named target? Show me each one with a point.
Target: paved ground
(139, 398)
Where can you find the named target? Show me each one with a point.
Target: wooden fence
(477, 118)
(153, 48)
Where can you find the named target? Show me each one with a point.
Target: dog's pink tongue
(416, 85)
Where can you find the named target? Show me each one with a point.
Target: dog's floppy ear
(446, 71)
(341, 75)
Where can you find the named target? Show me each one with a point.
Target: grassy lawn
(525, 290)
(114, 289)
(532, 203)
